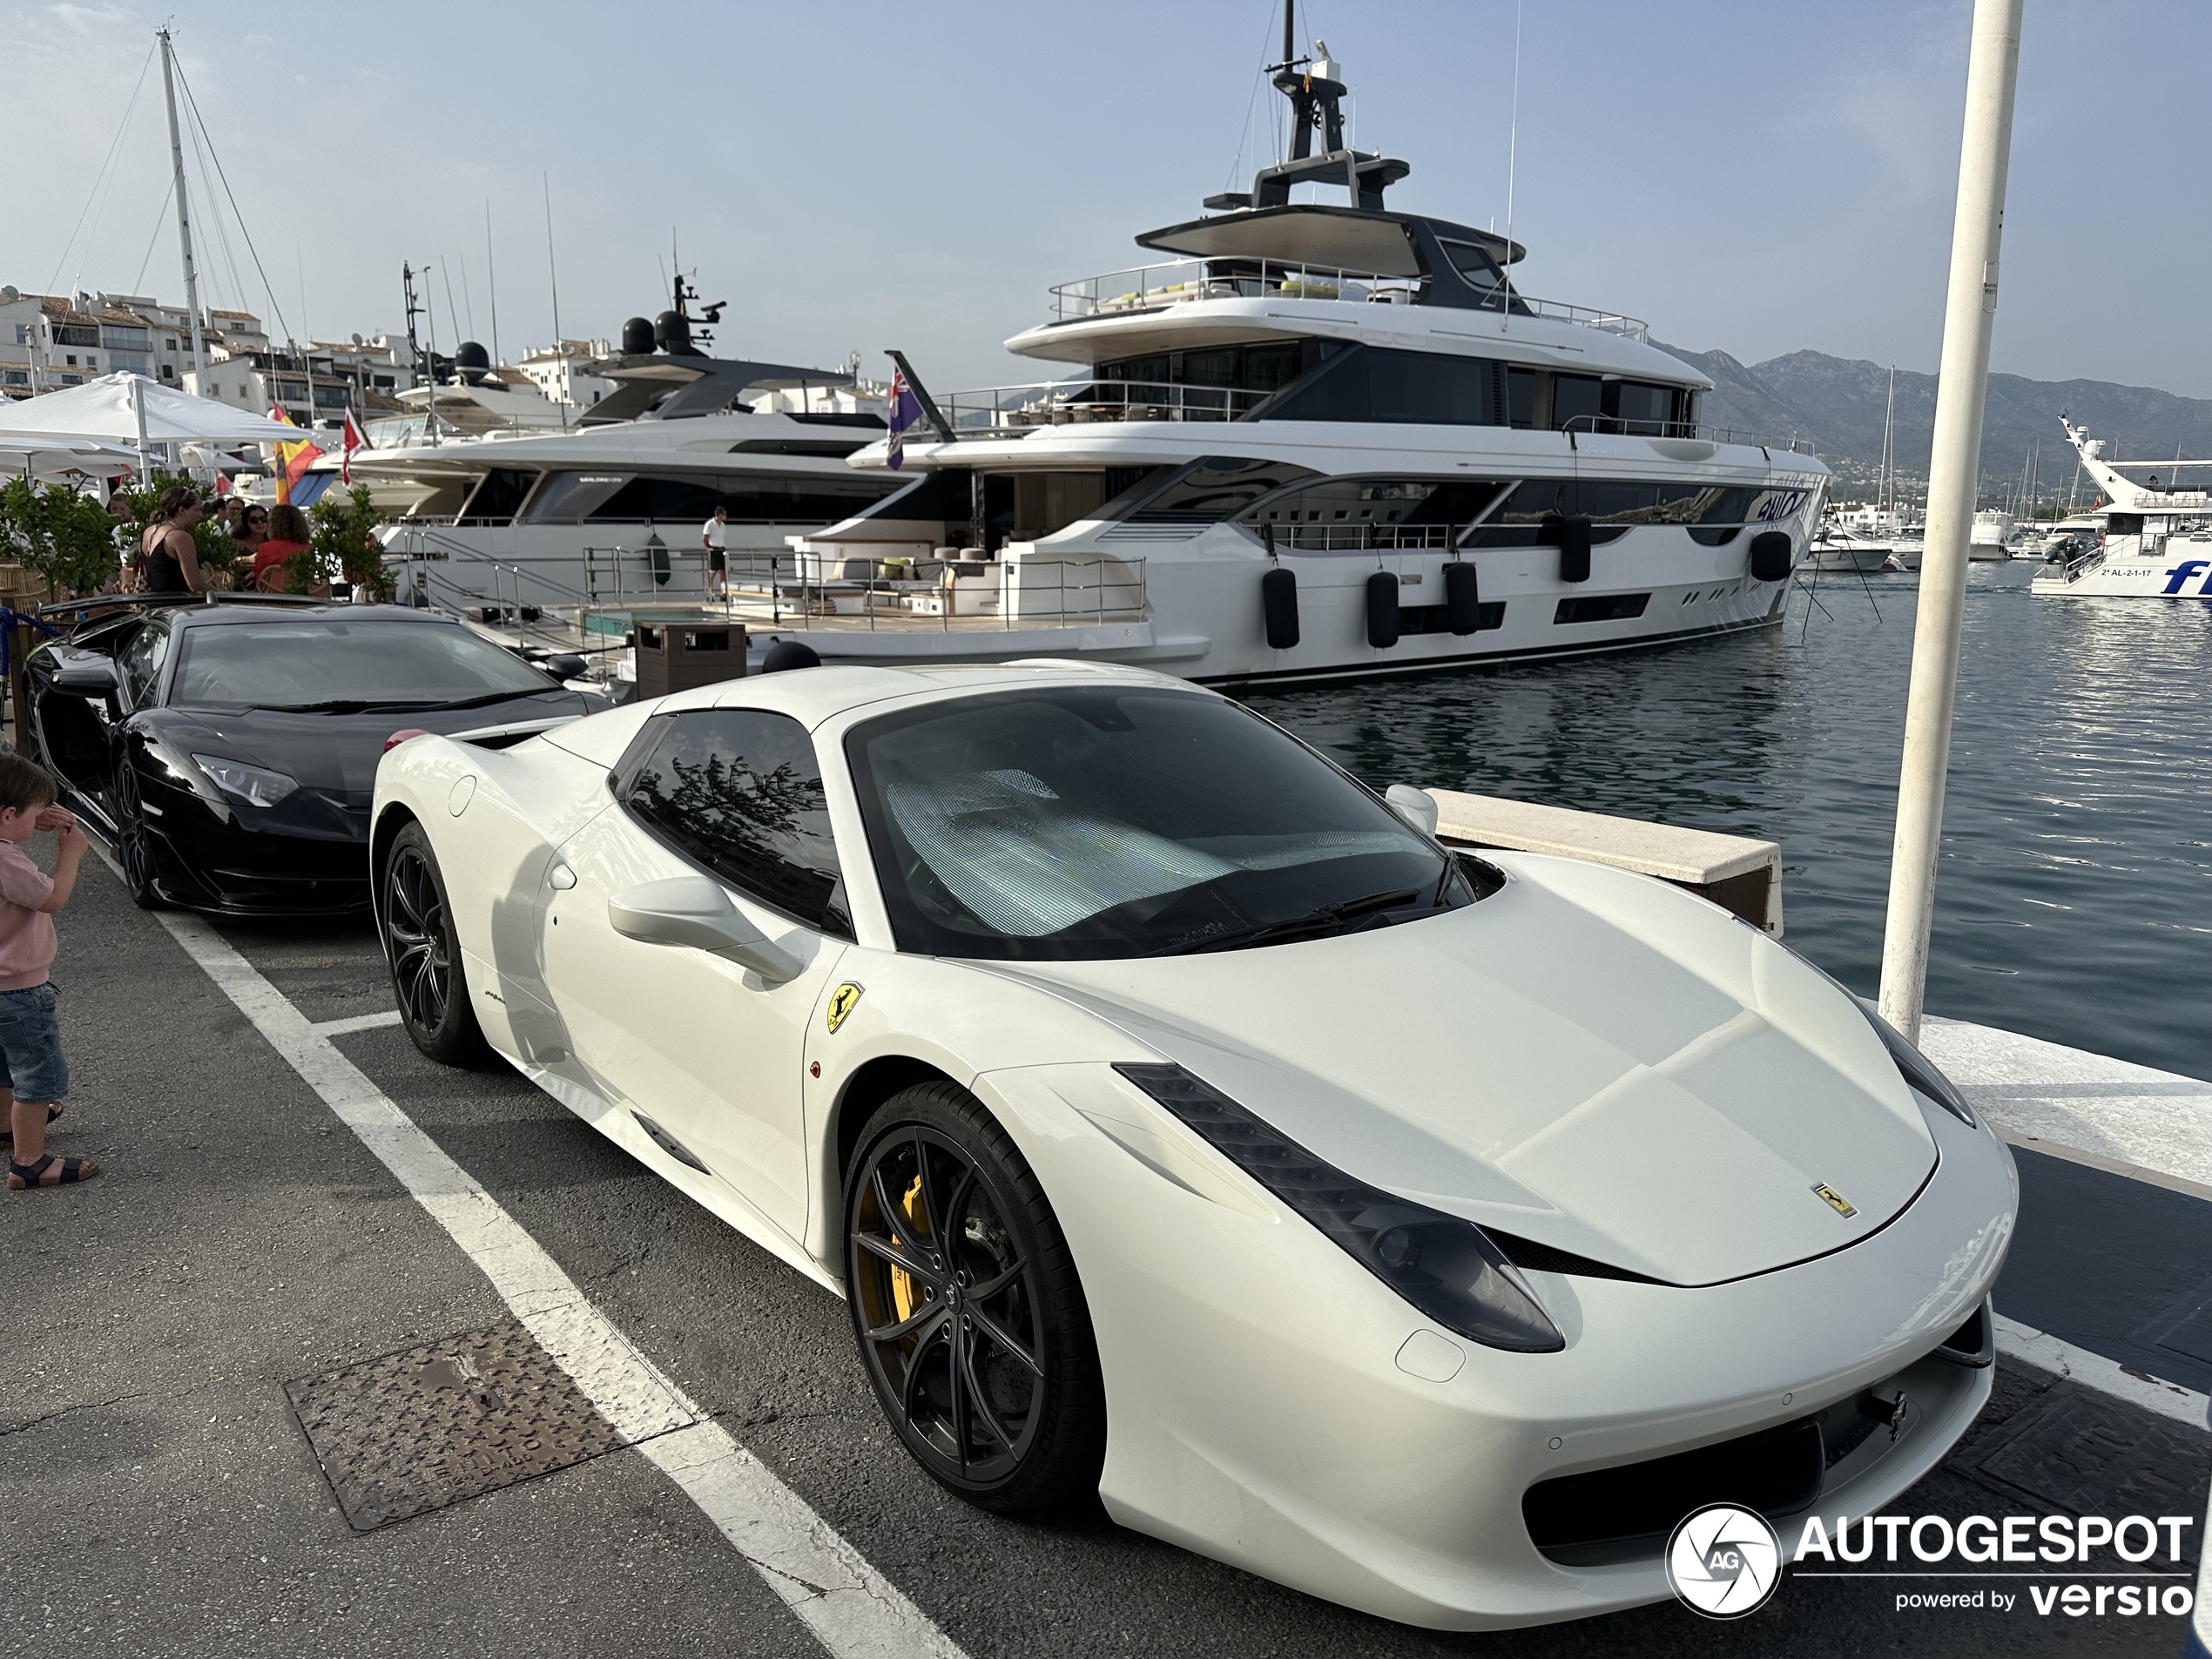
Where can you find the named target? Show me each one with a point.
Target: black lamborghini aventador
(229, 750)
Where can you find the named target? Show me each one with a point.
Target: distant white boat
(2156, 542)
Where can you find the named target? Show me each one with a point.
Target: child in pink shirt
(33, 1075)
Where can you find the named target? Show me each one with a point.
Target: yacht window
(1577, 397)
(834, 448)
(1045, 503)
(498, 496)
(1520, 399)
(1400, 387)
(569, 497)
(1520, 520)
(1348, 515)
(1641, 407)
(1214, 487)
(1606, 607)
(1265, 366)
(677, 498)
(1474, 264)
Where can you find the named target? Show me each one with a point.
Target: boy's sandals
(49, 1171)
(8, 1136)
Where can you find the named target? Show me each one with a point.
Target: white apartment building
(561, 371)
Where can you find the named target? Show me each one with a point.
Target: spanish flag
(292, 459)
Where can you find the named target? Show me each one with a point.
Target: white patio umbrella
(46, 458)
(129, 408)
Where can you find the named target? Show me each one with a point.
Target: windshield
(1074, 823)
(315, 663)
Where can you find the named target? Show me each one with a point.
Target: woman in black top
(167, 553)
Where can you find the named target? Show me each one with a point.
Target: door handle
(560, 876)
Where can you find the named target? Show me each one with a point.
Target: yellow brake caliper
(904, 1297)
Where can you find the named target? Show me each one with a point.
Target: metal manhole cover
(2094, 1458)
(469, 1414)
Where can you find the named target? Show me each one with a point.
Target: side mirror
(1416, 806)
(87, 676)
(694, 910)
(563, 665)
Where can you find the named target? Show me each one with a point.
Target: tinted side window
(1418, 389)
(739, 791)
(139, 663)
(1574, 396)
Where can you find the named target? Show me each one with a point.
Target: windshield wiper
(1318, 920)
(363, 705)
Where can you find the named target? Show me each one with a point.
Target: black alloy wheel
(966, 1307)
(134, 846)
(425, 958)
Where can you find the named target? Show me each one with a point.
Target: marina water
(2074, 893)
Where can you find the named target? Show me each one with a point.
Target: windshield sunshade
(1074, 823)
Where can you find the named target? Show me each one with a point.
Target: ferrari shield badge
(847, 997)
(1827, 1195)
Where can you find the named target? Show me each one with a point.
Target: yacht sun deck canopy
(1343, 239)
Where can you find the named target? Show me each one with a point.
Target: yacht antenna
(183, 214)
(491, 277)
(552, 271)
(308, 339)
(1513, 158)
(430, 317)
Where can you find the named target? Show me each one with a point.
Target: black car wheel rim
(947, 1307)
(415, 933)
(131, 849)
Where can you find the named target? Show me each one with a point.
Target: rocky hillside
(1838, 403)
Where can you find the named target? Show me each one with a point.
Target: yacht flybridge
(1317, 441)
(2156, 541)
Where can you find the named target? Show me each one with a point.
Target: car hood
(336, 755)
(1589, 1059)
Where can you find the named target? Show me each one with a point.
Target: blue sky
(1754, 177)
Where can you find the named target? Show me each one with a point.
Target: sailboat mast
(184, 218)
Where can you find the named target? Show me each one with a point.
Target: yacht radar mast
(1316, 87)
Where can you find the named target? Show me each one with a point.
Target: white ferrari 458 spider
(1181, 1122)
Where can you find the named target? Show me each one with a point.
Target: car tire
(134, 846)
(428, 985)
(982, 1357)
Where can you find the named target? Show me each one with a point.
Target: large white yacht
(2155, 544)
(1318, 442)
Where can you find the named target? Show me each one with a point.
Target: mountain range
(1838, 403)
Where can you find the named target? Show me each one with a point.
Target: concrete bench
(1735, 873)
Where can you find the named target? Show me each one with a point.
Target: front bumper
(303, 858)
(1271, 1405)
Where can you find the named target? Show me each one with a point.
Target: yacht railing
(1151, 287)
(1359, 538)
(1017, 409)
(824, 590)
(1627, 426)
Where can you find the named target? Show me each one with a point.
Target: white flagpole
(1992, 67)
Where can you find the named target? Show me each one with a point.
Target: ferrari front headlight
(256, 785)
(1449, 1269)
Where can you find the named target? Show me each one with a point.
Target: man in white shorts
(714, 537)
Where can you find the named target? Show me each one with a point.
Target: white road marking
(357, 1022)
(853, 1610)
(2035, 1347)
